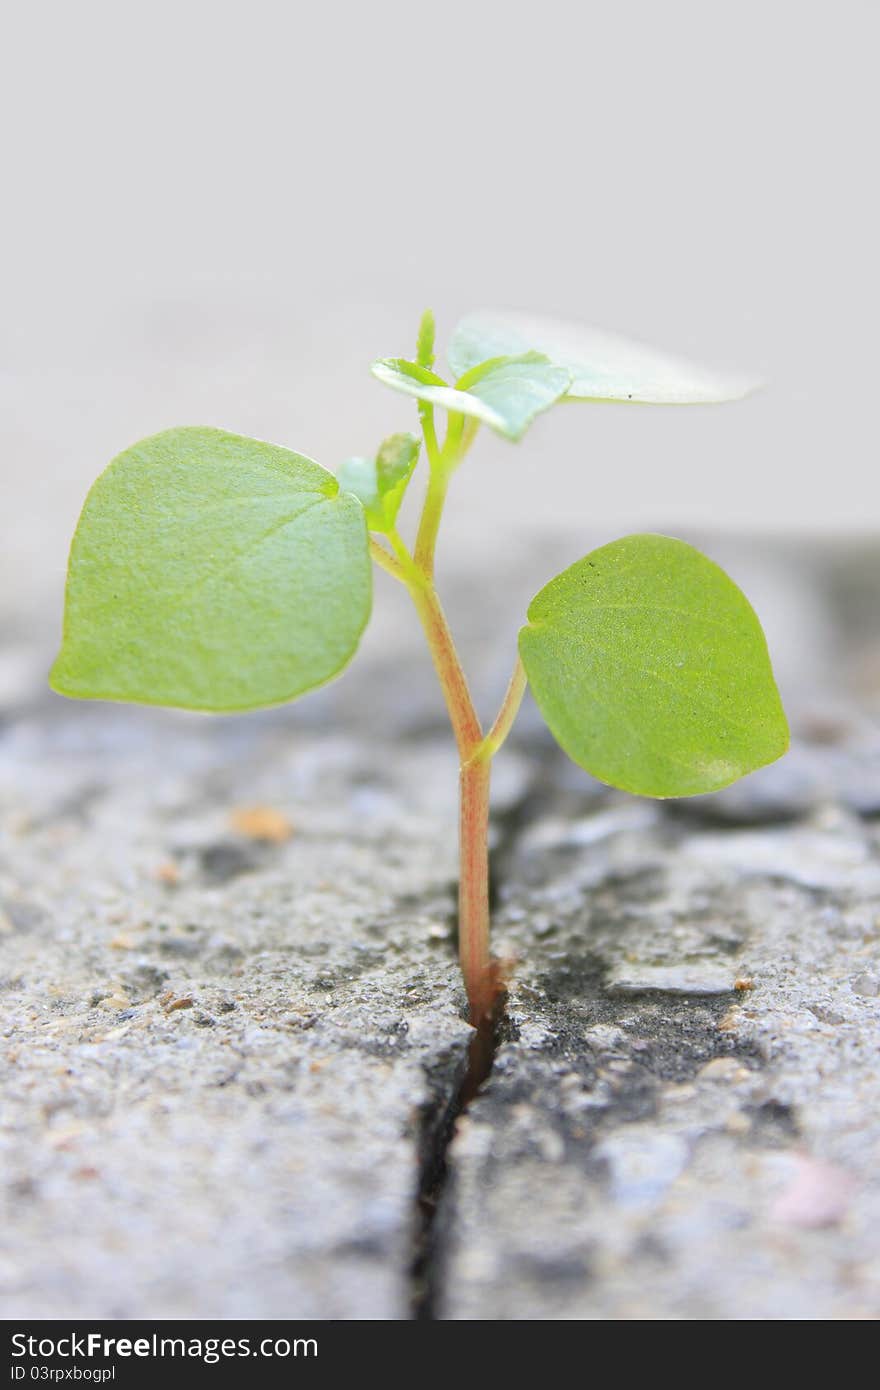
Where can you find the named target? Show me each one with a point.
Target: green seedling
(213, 572)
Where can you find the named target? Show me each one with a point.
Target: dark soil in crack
(438, 1130)
(653, 1039)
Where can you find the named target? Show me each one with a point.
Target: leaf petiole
(432, 447)
(386, 561)
(496, 736)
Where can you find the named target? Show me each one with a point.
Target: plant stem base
(481, 976)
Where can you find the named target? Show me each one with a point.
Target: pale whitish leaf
(602, 365)
(505, 394)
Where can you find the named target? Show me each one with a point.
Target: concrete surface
(231, 1024)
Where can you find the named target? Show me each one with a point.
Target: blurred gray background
(221, 213)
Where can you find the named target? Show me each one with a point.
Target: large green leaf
(506, 394)
(212, 572)
(602, 366)
(651, 670)
(379, 483)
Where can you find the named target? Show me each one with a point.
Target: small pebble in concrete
(867, 985)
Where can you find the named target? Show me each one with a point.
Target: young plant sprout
(214, 572)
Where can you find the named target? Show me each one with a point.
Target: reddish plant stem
(462, 715)
(473, 889)
(475, 758)
(475, 752)
(474, 774)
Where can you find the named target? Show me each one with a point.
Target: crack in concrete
(440, 1119)
(666, 1039)
(438, 1131)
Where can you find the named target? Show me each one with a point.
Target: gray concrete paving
(231, 1023)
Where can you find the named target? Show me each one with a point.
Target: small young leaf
(516, 388)
(380, 483)
(425, 342)
(506, 394)
(651, 670)
(602, 366)
(212, 572)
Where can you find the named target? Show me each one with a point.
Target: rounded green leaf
(602, 366)
(506, 394)
(651, 670)
(212, 572)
